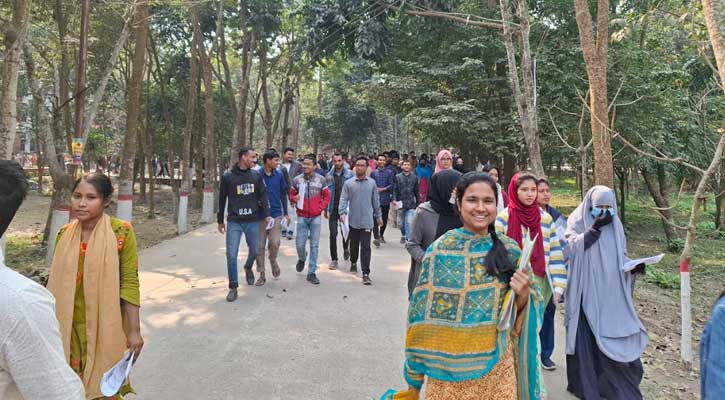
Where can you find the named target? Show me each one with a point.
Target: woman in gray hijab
(604, 338)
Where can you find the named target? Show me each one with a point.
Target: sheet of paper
(301, 200)
(646, 260)
(345, 229)
(113, 379)
(283, 224)
(508, 314)
(270, 225)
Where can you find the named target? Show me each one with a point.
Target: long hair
(498, 262)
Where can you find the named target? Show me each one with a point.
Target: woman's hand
(520, 284)
(135, 343)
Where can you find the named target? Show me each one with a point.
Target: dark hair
(337, 153)
(542, 180)
(498, 263)
(310, 157)
(244, 150)
(13, 188)
(406, 161)
(526, 176)
(286, 149)
(361, 157)
(270, 154)
(100, 182)
(488, 167)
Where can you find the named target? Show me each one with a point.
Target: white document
(399, 205)
(508, 315)
(113, 379)
(301, 199)
(270, 225)
(345, 228)
(283, 224)
(647, 260)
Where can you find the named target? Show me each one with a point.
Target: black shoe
(382, 240)
(366, 280)
(402, 240)
(376, 242)
(353, 268)
(300, 265)
(232, 295)
(346, 254)
(312, 278)
(249, 275)
(547, 364)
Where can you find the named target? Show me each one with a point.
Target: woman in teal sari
(455, 343)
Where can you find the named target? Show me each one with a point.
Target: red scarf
(530, 217)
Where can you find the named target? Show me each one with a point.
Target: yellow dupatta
(101, 289)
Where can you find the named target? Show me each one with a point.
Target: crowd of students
(463, 232)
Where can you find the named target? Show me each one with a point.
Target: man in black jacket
(243, 190)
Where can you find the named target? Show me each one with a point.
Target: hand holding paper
(647, 261)
(114, 378)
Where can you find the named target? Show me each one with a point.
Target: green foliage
(663, 279)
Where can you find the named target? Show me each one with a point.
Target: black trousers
(380, 232)
(360, 242)
(334, 219)
(594, 376)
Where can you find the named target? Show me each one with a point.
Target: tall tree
(133, 112)
(15, 33)
(595, 50)
(187, 172)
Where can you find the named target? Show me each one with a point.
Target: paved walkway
(285, 340)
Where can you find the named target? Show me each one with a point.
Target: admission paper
(113, 379)
(647, 260)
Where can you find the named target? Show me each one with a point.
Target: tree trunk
(265, 95)
(296, 122)
(595, 56)
(207, 213)
(686, 256)
(63, 82)
(714, 13)
(15, 33)
(133, 108)
(719, 200)
(241, 117)
(661, 202)
(525, 101)
(186, 163)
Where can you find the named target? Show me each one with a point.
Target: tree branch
(445, 15)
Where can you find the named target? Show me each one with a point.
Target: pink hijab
(440, 155)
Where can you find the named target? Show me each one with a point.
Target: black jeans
(334, 219)
(360, 239)
(380, 232)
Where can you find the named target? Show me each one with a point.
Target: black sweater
(247, 195)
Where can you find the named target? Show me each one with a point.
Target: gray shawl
(599, 286)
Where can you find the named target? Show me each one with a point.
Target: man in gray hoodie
(360, 208)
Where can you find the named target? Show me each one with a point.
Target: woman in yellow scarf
(94, 278)
(455, 343)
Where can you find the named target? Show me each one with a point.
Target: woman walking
(432, 219)
(523, 217)
(94, 278)
(453, 342)
(604, 338)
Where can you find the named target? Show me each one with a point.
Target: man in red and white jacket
(310, 195)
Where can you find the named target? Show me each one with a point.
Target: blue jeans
(547, 331)
(406, 219)
(234, 237)
(308, 227)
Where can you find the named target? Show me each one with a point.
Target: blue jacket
(712, 354)
(346, 175)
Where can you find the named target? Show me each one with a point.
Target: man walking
(311, 196)
(290, 169)
(243, 190)
(384, 179)
(360, 207)
(336, 178)
(407, 197)
(277, 191)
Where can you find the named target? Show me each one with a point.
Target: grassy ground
(657, 295)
